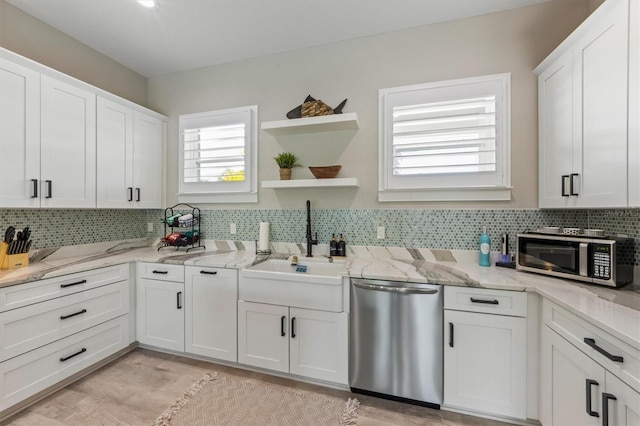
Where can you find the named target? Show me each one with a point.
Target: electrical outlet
(380, 233)
(232, 228)
(150, 227)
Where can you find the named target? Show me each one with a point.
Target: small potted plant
(286, 161)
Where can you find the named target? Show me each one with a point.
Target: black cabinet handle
(565, 179)
(486, 302)
(605, 407)
(451, 334)
(49, 188)
(179, 300)
(590, 383)
(591, 342)
(63, 317)
(572, 186)
(34, 191)
(160, 272)
(72, 284)
(137, 194)
(130, 194)
(282, 323)
(293, 327)
(209, 272)
(65, 358)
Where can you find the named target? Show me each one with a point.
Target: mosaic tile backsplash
(440, 229)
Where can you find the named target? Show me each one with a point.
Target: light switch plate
(380, 233)
(149, 226)
(232, 228)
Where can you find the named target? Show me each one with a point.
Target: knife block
(11, 261)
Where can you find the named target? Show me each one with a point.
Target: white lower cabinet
(211, 296)
(160, 313)
(579, 384)
(485, 354)
(304, 342)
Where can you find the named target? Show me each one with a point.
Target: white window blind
(443, 137)
(218, 152)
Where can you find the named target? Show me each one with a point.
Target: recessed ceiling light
(148, 3)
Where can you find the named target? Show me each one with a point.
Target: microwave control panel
(602, 261)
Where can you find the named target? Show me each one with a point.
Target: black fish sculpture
(314, 108)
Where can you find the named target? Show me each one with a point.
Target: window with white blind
(218, 156)
(445, 141)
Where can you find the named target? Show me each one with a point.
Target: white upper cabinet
(583, 89)
(67, 145)
(129, 170)
(148, 133)
(19, 135)
(115, 155)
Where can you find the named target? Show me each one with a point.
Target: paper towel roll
(263, 241)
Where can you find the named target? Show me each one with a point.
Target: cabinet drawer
(499, 302)
(26, 294)
(27, 328)
(34, 371)
(161, 271)
(576, 330)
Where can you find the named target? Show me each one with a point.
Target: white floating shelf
(312, 183)
(325, 123)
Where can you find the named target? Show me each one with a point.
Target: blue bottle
(485, 248)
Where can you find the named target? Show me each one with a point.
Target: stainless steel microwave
(605, 261)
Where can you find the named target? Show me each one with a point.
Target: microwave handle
(584, 260)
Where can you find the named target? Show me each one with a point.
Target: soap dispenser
(333, 246)
(485, 248)
(342, 247)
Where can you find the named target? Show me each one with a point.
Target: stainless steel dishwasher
(396, 341)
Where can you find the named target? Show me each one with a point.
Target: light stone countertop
(616, 311)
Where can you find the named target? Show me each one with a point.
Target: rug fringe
(349, 416)
(165, 418)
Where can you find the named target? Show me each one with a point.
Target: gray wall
(513, 41)
(32, 38)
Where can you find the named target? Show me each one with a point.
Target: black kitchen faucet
(310, 241)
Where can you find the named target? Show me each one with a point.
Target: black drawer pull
(65, 358)
(179, 300)
(591, 342)
(161, 272)
(63, 317)
(282, 323)
(72, 284)
(137, 194)
(486, 302)
(209, 272)
(565, 179)
(589, 410)
(130, 194)
(450, 334)
(293, 327)
(572, 185)
(605, 407)
(34, 193)
(49, 189)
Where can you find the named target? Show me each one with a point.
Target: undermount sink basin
(275, 281)
(318, 270)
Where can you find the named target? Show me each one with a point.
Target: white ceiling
(179, 35)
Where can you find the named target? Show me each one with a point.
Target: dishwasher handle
(401, 290)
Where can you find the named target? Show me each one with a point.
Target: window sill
(231, 197)
(446, 194)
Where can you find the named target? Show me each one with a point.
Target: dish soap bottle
(485, 248)
(342, 247)
(333, 246)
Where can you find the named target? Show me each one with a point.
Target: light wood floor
(138, 387)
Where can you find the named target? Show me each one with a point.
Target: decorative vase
(285, 174)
